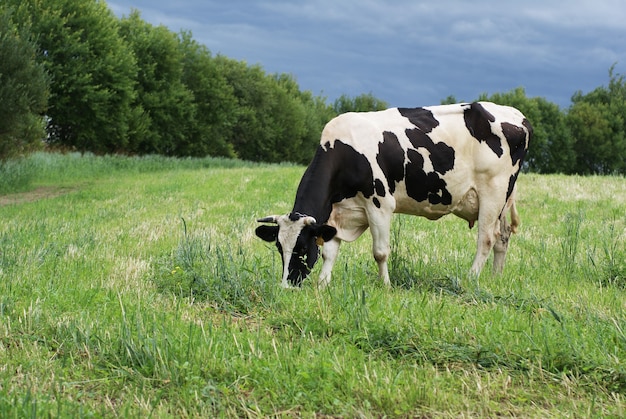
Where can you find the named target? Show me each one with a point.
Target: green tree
(450, 100)
(361, 103)
(312, 111)
(316, 114)
(168, 107)
(214, 101)
(92, 72)
(598, 124)
(250, 139)
(556, 154)
(271, 123)
(23, 90)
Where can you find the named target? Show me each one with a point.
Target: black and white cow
(462, 159)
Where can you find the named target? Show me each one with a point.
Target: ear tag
(319, 241)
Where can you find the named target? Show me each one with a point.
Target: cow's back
(430, 159)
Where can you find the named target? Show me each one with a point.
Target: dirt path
(36, 194)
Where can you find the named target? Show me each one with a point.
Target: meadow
(135, 287)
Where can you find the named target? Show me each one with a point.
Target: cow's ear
(325, 232)
(267, 233)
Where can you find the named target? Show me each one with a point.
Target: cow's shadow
(406, 277)
(431, 281)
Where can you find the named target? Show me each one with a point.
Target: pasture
(135, 287)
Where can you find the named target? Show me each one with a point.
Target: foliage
(167, 108)
(598, 123)
(92, 71)
(23, 90)
(270, 120)
(316, 113)
(126, 86)
(214, 101)
(111, 305)
(361, 103)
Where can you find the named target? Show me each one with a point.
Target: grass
(138, 289)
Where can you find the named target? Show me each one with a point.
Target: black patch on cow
(353, 173)
(512, 181)
(379, 187)
(516, 137)
(477, 121)
(441, 154)
(528, 126)
(420, 117)
(295, 216)
(376, 202)
(335, 174)
(390, 159)
(423, 186)
(305, 254)
(267, 233)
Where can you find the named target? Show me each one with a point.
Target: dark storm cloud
(411, 53)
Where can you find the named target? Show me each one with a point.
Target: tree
(214, 101)
(361, 103)
(270, 124)
(92, 72)
(598, 123)
(168, 110)
(23, 90)
(316, 114)
(556, 154)
(450, 100)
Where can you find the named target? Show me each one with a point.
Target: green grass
(136, 288)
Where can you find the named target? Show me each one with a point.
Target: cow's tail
(510, 206)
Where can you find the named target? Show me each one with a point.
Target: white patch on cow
(349, 218)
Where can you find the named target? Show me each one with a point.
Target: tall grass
(16, 175)
(143, 292)
(201, 270)
(53, 168)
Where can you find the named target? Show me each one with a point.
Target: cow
(462, 159)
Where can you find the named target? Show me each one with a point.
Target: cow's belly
(350, 216)
(464, 204)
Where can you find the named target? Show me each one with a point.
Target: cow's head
(297, 238)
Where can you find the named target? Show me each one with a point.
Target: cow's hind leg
(330, 250)
(502, 241)
(501, 245)
(488, 231)
(380, 226)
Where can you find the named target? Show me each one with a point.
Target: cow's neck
(314, 196)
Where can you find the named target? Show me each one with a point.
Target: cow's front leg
(330, 250)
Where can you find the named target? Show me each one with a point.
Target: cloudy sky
(411, 52)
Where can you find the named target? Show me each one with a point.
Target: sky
(410, 52)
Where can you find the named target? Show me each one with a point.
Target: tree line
(74, 76)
